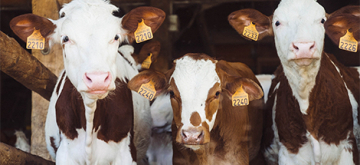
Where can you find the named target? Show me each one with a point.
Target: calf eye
(62, 14)
(217, 94)
(277, 23)
(65, 39)
(116, 37)
(323, 21)
(171, 94)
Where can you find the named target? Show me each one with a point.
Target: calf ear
(152, 47)
(253, 90)
(242, 18)
(158, 78)
(346, 18)
(153, 17)
(24, 25)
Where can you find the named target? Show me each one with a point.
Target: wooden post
(16, 62)
(53, 61)
(11, 155)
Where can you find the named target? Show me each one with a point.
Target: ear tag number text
(147, 90)
(35, 41)
(240, 97)
(348, 42)
(147, 62)
(251, 32)
(143, 32)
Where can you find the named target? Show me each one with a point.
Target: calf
(93, 118)
(313, 100)
(206, 128)
(160, 148)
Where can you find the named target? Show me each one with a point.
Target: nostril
(295, 47)
(88, 78)
(200, 135)
(183, 134)
(107, 77)
(312, 46)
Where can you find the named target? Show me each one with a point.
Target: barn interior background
(192, 26)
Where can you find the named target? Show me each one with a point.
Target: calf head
(298, 29)
(90, 36)
(150, 49)
(197, 85)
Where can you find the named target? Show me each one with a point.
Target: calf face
(90, 36)
(299, 34)
(197, 85)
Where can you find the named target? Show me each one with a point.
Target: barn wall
(203, 27)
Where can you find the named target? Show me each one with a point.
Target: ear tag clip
(35, 41)
(147, 62)
(147, 90)
(240, 97)
(143, 32)
(348, 42)
(251, 32)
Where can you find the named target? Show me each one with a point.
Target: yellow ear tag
(251, 32)
(147, 62)
(147, 90)
(240, 97)
(35, 40)
(348, 42)
(143, 32)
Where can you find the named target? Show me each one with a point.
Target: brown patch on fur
(59, 84)
(195, 119)
(288, 118)
(212, 102)
(176, 103)
(70, 111)
(52, 141)
(114, 114)
(330, 112)
(113, 117)
(329, 116)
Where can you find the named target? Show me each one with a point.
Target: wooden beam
(24, 68)
(53, 61)
(12, 156)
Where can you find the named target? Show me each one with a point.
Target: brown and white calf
(313, 101)
(93, 118)
(206, 128)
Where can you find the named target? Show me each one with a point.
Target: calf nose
(97, 81)
(303, 49)
(192, 136)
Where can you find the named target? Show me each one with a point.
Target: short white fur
(194, 78)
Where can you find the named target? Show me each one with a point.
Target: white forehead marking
(300, 21)
(85, 21)
(194, 78)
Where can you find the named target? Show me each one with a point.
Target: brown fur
(114, 114)
(229, 140)
(153, 18)
(230, 131)
(329, 117)
(195, 119)
(346, 18)
(24, 25)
